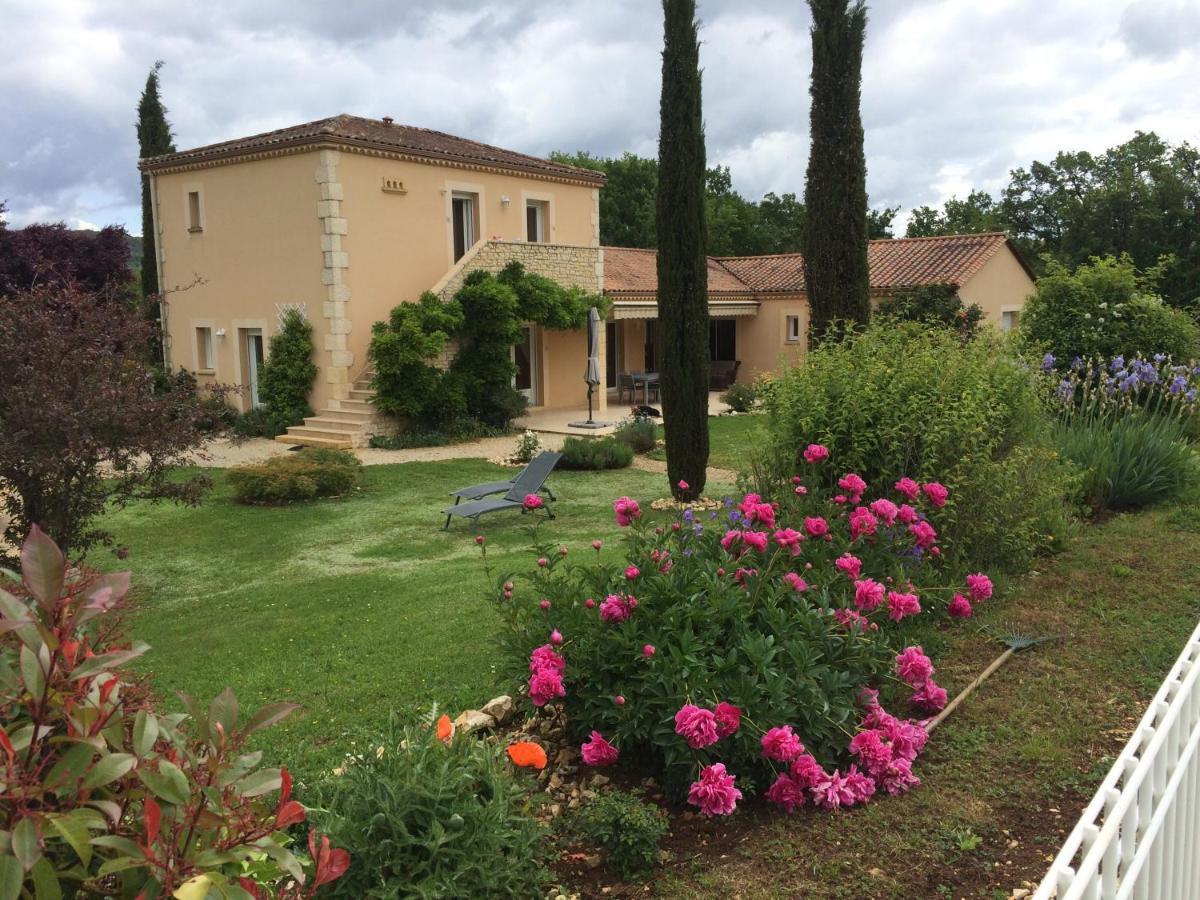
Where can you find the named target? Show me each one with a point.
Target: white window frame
(204, 348)
(1013, 314)
(459, 190)
(791, 334)
(546, 202)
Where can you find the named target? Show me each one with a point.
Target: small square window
(1009, 319)
(793, 329)
(535, 221)
(194, 211)
(204, 349)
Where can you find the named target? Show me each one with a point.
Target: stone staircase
(343, 423)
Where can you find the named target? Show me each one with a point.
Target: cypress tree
(682, 265)
(835, 188)
(154, 139)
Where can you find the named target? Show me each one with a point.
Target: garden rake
(1016, 641)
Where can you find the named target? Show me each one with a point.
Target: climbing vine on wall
(481, 323)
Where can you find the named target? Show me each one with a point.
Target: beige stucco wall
(318, 229)
(762, 343)
(259, 247)
(1001, 285)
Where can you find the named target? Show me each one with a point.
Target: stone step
(356, 406)
(356, 394)
(325, 422)
(355, 416)
(311, 441)
(326, 432)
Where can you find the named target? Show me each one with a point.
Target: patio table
(646, 379)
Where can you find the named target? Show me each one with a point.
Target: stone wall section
(567, 264)
(339, 359)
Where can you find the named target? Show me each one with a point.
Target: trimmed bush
(288, 373)
(588, 454)
(740, 397)
(308, 474)
(904, 400)
(626, 827)
(427, 818)
(639, 432)
(936, 305)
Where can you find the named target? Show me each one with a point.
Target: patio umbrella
(591, 374)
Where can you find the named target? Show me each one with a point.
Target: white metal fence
(1140, 835)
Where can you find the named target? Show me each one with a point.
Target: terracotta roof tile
(376, 134)
(630, 271)
(893, 262)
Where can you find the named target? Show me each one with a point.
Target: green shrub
(936, 305)
(740, 397)
(589, 454)
(528, 446)
(1105, 308)
(639, 432)
(254, 422)
(902, 400)
(425, 818)
(626, 827)
(1129, 461)
(288, 372)
(305, 475)
(460, 431)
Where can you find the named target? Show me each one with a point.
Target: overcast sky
(955, 92)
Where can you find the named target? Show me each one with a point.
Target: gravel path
(223, 453)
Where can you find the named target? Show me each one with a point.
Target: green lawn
(731, 441)
(348, 607)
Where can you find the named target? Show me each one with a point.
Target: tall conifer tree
(154, 139)
(835, 189)
(682, 265)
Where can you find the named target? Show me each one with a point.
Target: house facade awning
(648, 309)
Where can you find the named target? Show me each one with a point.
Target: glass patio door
(254, 361)
(525, 380)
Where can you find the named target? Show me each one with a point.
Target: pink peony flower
(546, 657)
(626, 510)
(908, 488)
(532, 501)
(648, 651)
(816, 453)
(924, 534)
(913, 666)
(589, 603)
(848, 618)
(862, 521)
(886, 511)
(729, 719)
(697, 726)
(597, 544)
(545, 685)
(868, 594)
(796, 583)
(756, 539)
(598, 751)
(632, 572)
(619, 699)
(873, 752)
(980, 586)
(543, 562)
(683, 485)
(899, 777)
(748, 504)
(907, 515)
(849, 564)
(960, 607)
(816, 526)
(901, 605)
(731, 537)
(781, 744)
(556, 637)
(861, 786)
(763, 513)
(806, 771)
(544, 604)
(936, 493)
(786, 793)
(714, 793)
(789, 539)
(833, 792)
(853, 486)
(800, 490)
(929, 697)
(615, 609)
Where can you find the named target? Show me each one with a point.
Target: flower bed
(741, 650)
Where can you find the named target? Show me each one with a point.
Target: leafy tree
(53, 255)
(82, 422)
(491, 326)
(978, 213)
(288, 373)
(682, 267)
(880, 221)
(154, 139)
(627, 199)
(934, 304)
(835, 190)
(781, 219)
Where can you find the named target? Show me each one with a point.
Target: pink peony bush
(749, 660)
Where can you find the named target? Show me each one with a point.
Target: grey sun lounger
(531, 480)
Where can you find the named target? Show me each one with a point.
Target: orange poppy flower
(444, 728)
(527, 754)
